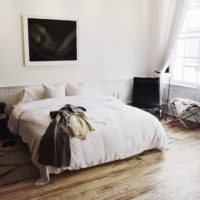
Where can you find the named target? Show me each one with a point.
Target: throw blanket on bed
(54, 147)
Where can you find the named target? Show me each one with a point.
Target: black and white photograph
(50, 41)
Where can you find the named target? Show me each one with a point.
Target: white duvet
(121, 130)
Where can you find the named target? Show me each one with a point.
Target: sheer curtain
(167, 20)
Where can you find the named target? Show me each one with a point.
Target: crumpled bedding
(121, 130)
(182, 105)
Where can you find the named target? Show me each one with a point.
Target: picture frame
(50, 41)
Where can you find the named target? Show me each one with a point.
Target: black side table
(3, 126)
(5, 135)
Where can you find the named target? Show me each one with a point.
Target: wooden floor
(173, 174)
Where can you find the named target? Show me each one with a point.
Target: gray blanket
(54, 149)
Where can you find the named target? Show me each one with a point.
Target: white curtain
(167, 19)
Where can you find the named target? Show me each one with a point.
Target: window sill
(185, 87)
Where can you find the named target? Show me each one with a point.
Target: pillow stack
(44, 91)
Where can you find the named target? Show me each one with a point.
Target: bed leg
(44, 176)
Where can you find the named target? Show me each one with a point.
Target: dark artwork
(52, 40)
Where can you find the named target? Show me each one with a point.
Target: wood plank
(170, 174)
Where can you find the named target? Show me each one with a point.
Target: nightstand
(4, 131)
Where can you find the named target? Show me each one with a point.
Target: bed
(121, 131)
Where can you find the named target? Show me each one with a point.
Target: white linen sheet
(121, 130)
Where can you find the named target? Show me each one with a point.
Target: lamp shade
(167, 69)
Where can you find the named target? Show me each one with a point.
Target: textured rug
(172, 139)
(15, 163)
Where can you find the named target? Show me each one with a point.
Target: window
(186, 67)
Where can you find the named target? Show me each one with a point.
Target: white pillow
(73, 89)
(54, 90)
(32, 93)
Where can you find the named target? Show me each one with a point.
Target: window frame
(184, 35)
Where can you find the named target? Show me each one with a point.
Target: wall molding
(121, 89)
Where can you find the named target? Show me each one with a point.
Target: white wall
(111, 40)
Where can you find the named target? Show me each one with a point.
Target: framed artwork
(50, 41)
